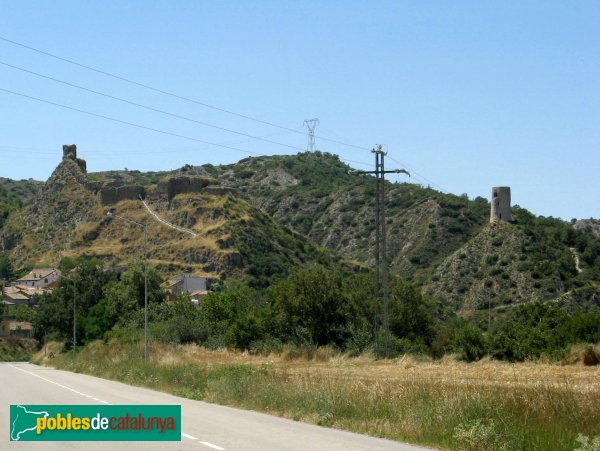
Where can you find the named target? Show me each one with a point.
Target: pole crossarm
(392, 171)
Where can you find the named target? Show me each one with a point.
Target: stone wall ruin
(114, 195)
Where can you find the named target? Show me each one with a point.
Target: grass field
(14, 349)
(447, 404)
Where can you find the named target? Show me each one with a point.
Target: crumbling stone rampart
(183, 184)
(111, 196)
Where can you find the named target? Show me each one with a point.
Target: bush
(471, 343)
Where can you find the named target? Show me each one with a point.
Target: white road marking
(210, 445)
(191, 437)
(56, 383)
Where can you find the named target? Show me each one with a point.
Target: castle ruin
(70, 153)
(172, 186)
(500, 210)
(112, 192)
(113, 195)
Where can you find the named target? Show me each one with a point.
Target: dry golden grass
(366, 369)
(84, 228)
(124, 241)
(483, 406)
(207, 226)
(206, 242)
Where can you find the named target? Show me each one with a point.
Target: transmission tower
(381, 260)
(311, 124)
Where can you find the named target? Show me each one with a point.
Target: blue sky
(469, 94)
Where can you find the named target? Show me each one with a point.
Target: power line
(146, 107)
(177, 116)
(137, 152)
(132, 124)
(412, 171)
(187, 99)
(126, 122)
(142, 85)
(168, 93)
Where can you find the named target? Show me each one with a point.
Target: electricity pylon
(311, 124)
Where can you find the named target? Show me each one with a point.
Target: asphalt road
(204, 426)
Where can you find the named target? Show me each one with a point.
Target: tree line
(314, 306)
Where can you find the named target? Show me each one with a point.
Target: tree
(54, 314)
(23, 313)
(127, 294)
(237, 317)
(471, 343)
(100, 300)
(6, 268)
(312, 306)
(411, 315)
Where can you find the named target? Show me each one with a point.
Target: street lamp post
(143, 226)
(74, 317)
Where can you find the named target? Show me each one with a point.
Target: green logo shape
(53, 422)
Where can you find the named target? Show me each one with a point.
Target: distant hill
(15, 193)
(262, 217)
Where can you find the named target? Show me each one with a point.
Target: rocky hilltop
(264, 216)
(192, 223)
(589, 225)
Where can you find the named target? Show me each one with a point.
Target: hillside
(315, 195)
(589, 225)
(263, 216)
(232, 237)
(441, 241)
(14, 194)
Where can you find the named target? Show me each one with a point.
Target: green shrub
(471, 343)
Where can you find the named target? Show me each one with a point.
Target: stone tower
(70, 153)
(500, 204)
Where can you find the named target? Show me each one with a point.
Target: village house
(12, 327)
(197, 287)
(12, 298)
(39, 278)
(18, 295)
